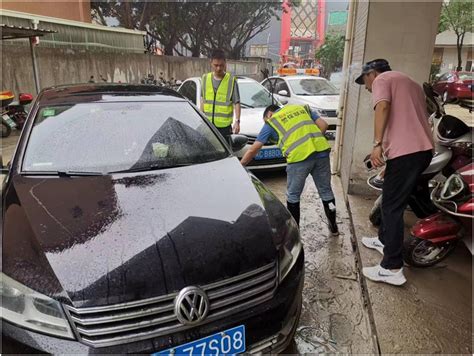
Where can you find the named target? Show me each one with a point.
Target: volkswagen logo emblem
(191, 306)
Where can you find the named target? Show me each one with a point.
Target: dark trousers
(226, 132)
(401, 175)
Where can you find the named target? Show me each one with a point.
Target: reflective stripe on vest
(218, 105)
(298, 135)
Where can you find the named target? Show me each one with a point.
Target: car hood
(112, 239)
(325, 102)
(251, 121)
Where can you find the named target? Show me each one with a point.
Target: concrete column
(402, 32)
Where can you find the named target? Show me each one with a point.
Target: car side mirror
(238, 142)
(179, 82)
(283, 93)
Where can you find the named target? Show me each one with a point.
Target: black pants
(226, 132)
(401, 175)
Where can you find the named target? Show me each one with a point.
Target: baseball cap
(376, 64)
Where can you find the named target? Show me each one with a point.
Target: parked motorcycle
(6, 97)
(432, 239)
(16, 110)
(453, 150)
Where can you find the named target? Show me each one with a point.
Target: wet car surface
(120, 198)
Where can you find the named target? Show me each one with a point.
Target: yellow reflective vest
(218, 105)
(298, 135)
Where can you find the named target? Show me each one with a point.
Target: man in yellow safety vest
(300, 135)
(220, 96)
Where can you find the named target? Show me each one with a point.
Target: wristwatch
(377, 143)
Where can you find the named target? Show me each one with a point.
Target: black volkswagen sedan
(128, 226)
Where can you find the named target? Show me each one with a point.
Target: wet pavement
(335, 318)
(432, 312)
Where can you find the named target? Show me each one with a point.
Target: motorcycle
(16, 109)
(432, 239)
(453, 150)
(6, 97)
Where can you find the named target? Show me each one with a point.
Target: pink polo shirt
(408, 130)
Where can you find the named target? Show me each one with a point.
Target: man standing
(300, 136)
(402, 137)
(220, 96)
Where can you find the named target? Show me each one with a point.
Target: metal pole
(35, 65)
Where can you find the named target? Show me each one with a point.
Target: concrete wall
(78, 10)
(67, 66)
(404, 33)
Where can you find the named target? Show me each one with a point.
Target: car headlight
(452, 187)
(320, 111)
(290, 249)
(29, 309)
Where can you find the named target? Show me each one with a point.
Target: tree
(331, 54)
(199, 27)
(457, 16)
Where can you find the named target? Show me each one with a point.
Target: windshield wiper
(247, 106)
(63, 173)
(151, 168)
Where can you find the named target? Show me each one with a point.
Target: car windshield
(119, 136)
(465, 75)
(312, 87)
(254, 95)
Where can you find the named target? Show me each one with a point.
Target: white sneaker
(373, 243)
(380, 274)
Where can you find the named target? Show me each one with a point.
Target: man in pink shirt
(403, 142)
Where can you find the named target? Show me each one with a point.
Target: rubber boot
(294, 209)
(330, 210)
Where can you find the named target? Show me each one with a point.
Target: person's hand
(236, 128)
(376, 157)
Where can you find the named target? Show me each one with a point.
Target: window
(189, 90)
(254, 95)
(312, 87)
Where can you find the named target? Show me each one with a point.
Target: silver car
(254, 98)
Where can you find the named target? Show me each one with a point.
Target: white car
(316, 92)
(254, 98)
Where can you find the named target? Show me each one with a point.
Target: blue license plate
(229, 342)
(268, 153)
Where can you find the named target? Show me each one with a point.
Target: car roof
(106, 92)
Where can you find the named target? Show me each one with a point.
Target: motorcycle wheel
(423, 253)
(375, 215)
(6, 130)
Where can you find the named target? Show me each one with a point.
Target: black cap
(380, 65)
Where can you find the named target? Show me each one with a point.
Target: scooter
(453, 150)
(432, 239)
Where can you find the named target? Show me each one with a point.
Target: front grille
(123, 323)
(330, 113)
(251, 140)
